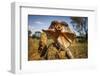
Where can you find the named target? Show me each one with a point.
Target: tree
(80, 24)
(29, 32)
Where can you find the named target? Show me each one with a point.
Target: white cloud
(32, 29)
(38, 22)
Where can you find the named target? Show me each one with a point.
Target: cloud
(33, 29)
(38, 22)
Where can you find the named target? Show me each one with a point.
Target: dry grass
(79, 50)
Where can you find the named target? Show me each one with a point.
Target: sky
(39, 22)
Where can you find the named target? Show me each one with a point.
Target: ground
(78, 49)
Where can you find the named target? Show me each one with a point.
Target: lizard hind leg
(69, 54)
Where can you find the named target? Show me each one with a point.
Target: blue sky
(39, 22)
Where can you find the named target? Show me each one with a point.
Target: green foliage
(29, 32)
(80, 24)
